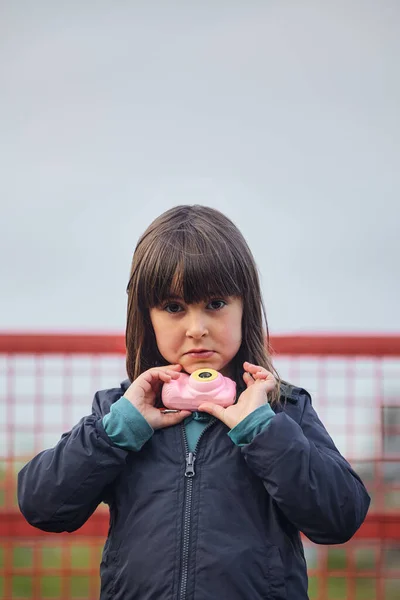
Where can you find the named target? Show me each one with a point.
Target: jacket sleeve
(308, 478)
(61, 487)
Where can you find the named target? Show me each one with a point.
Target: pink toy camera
(204, 385)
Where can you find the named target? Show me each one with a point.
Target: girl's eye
(217, 304)
(172, 308)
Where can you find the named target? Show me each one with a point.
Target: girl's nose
(196, 327)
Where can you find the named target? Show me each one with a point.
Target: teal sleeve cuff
(252, 425)
(126, 427)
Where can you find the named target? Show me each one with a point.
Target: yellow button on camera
(205, 375)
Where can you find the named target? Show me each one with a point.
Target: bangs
(192, 267)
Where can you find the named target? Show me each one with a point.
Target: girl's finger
(261, 375)
(254, 368)
(267, 384)
(164, 375)
(267, 377)
(176, 367)
(213, 409)
(144, 381)
(247, 378)
(170, 419)
(165, 369)
(174, 418)
(168, 375)
(174, 374)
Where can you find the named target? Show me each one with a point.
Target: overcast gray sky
(284, 115)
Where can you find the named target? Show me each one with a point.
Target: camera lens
(205, 374)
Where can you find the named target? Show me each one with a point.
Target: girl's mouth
(200, 353)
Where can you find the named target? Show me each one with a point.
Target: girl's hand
(259, 383)
(143, 391)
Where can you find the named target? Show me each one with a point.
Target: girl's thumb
(212, 409)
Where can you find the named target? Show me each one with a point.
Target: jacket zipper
(190, 458)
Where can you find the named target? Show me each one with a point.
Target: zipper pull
(190, 465)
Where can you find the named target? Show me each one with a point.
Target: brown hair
(197, 253)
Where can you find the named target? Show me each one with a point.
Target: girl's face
(205, 334)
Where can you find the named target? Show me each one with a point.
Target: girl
(209, 505)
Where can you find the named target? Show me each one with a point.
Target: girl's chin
(191, 367)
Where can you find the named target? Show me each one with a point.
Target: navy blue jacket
(229, 529)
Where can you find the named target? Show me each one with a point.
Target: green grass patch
(22, 558)
(51, 557)
(80, 557)
(336, 559)
(51, 587)
(337, 588)
(79, 587)
(392, 589)
(392, 500)
(313, 587)
(22, 586)
(365, 589)
(365, 559)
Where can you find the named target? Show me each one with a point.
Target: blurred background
(283, 115)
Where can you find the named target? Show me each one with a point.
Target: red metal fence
(47, 383)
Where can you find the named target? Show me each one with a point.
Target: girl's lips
(202, 354)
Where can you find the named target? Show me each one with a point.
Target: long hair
(195, 252)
